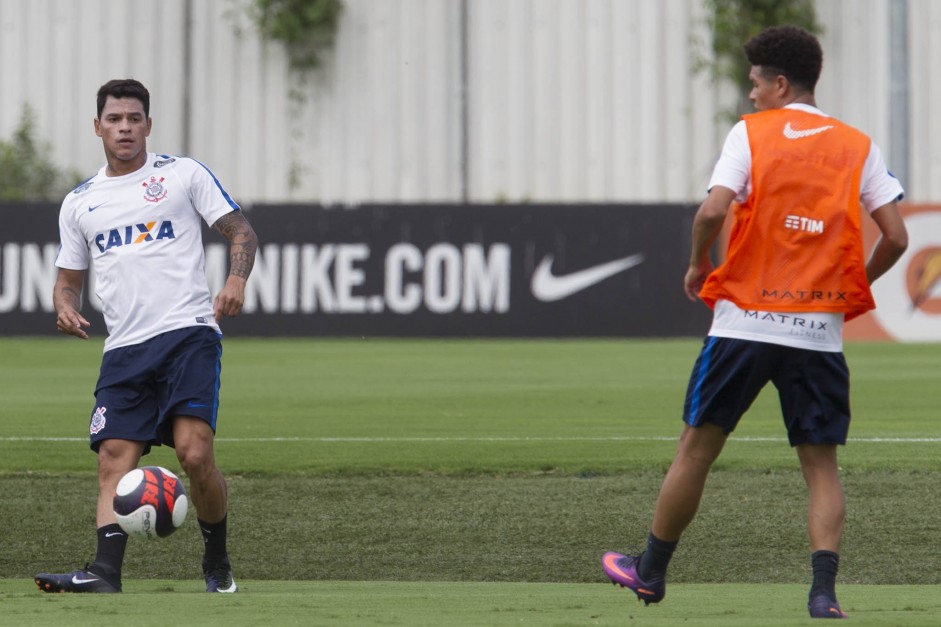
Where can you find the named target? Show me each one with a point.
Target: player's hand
(230, 299)
(70, 322)
(695, 278)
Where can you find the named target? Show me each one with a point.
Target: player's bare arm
(67, 299)
(242, 246)
(707, 224)
(891, 245)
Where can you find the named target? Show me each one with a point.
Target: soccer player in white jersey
(138, 222)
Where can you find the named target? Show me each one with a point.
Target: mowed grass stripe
(490, 439)
(751, 528)
(463, 406)
(447, 604)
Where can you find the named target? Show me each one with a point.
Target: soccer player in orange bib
(794, 272)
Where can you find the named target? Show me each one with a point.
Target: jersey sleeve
(73, 249)
(878, 186)
(208, 196)
(733, 169)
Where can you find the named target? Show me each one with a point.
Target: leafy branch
(732, 23)
(304, 27)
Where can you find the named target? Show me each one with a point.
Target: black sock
(214, 540)
(654, 561)
(112, 540)
(825, 565)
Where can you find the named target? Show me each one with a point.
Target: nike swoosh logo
(193, 405)
(76, 580)
(792, 133)
(111, 534)
(610, 562)
(547, 287)
(90, 208)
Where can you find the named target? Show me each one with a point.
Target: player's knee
(118, 456)
(193, 443)
(196, 459)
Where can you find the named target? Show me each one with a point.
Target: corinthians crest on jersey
(154, 191)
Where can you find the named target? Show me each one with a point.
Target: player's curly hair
(789, 51)
(124, 88)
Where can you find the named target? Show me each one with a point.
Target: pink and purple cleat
(622, 571)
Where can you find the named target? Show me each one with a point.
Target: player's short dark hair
(788, 51)
(124, 88)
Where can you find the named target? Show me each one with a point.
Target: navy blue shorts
(142, 387)
(813, 387)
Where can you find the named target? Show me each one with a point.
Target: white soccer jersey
(810, 330)
(143, 235)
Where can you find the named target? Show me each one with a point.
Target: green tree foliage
(304, 27)
(732, 22)
(26, 168)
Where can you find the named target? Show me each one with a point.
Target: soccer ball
(150, 502)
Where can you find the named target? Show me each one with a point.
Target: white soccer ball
(150, 502)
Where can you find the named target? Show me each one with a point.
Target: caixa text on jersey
(134, 234)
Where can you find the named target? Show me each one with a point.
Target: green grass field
(474, 482)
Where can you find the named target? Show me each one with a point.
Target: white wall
(567, 100)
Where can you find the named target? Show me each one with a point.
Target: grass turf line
(445, 604)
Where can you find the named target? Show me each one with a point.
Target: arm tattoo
(242, 242)
(68, 296)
